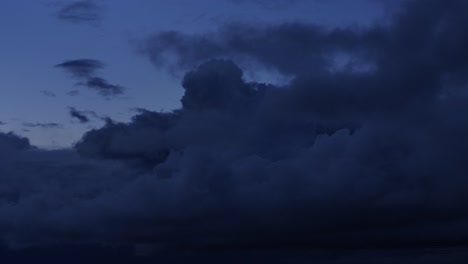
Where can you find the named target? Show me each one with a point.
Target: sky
(36, 39)
(235, 131)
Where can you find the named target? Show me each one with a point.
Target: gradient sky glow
(34, 40)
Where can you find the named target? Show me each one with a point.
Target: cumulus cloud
(80, 12)
(85, 71)
(46, 176)
(100, 143)
(335, 159)
(13, 141)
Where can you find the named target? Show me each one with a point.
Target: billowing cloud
(338, 158)
(80, 12)
(13, 141)
(85, 72)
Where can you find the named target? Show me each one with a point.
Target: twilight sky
(36, 37)
(236, 131)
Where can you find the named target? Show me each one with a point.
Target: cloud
(80, 12)
(82, 116)
(73, 93)
(48, 93)
(13, 141)
(339, 158)
(78, 115)
(216, 84)
(103, 86)
(85, 71)
(300, 48)
(81, 68)
(290, 48)
(42, 125)
(139, 148)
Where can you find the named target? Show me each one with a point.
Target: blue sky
(34, 40)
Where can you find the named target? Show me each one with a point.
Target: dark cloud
(85, 71)
(82, 116)
(78, 115)
(340, 158)
(80, 12)
(101, 143)
(48, 93)
(73, 93)
(354, 144)
(298, 48)
(82, 68)
(217, 84)
(2, 123)
(290, 48)
(103, 86)
(13, 141)
(42, 125)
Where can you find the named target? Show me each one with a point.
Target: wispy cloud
(73, 93)
(42, 125)
(82, 116)
(85, 72)
(81, 12)
(81, 68)
(48, 93)
(103, 86)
